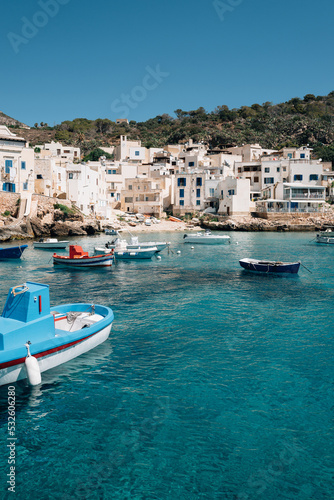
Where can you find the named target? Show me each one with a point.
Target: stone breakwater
(294, 222)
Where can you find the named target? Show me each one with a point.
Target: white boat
(50, 243)
(122, 251)
(206, 238)
(133, 245)
(326, 237)
(35, 338)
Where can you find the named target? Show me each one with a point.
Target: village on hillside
(177, 179)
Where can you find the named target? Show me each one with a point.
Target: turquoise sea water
(215, 383)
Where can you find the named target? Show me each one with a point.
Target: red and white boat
(78, 258)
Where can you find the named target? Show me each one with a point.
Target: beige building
(146, 195)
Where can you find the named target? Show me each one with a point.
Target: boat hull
(135, 254)
(47, 360)
(84, 262)
(270, 267)
(206, 240)
(12, 252)
(328, 240)
(52, 246)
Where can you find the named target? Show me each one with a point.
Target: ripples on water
(215, 383)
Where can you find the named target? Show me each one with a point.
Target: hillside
(296, 122)
(11, 122)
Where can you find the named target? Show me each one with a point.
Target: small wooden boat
(326, 237)
(113, 232)
(50, 243)
(79, 259)
(174, 219)
(268, 266)
(35, 338)
(206, 238)
(12, 252)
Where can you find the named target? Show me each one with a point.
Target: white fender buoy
(159, 257)
(192, 248)
(178, 252)
(32, 367)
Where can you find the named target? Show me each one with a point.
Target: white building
(234, 196)
(16, 163)
(189, 192)
(53, 149)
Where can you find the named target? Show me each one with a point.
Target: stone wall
(9, 201)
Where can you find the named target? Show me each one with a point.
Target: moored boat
(122, 252)
(35, 338)
(326, 236)
(206, 238)
(268, 266)
(134, 244)
(174, 219)
(79, 259)
(51, 243)
(12, 252)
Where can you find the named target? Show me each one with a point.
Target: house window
(256, 179)
(137, 153)
(198, 202)
(198, 193)
(70, 176)
(302, 155)
(269, 180)
(40, 176)
(130, 187)
(298, 177)
(314, 177)
(290, 155)
(8, 166)
(181, 193)
(128, 199)
(181, 203)
(191, 164)
(267, 170)
(231, 192)
(114, 172)
(25, 186)
(112, 195)
(222, 194)
(138, 188)
(181, 181)
(23, 165)
(211, 192)
(277, 169)
(108, 171)
(239, 170)
(198, 181)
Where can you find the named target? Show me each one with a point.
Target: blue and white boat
(134, 244)
(35, 338)
(12, 252)
(79, 259)
(326, 236)
(123, 252)
(268, 266)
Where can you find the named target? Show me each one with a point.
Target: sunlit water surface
(215, 383)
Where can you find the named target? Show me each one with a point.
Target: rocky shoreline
(56, 224)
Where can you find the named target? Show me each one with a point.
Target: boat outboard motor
(32, 367)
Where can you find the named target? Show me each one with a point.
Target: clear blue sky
(139, 59)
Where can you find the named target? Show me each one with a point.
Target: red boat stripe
(43, 353)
